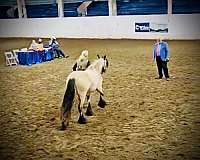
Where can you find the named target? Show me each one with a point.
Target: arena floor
(145, 118)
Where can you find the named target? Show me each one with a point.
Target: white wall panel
(180, 27)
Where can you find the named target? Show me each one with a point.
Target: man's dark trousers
(162, 66)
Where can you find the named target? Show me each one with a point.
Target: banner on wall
(151, 27)
(142, 27)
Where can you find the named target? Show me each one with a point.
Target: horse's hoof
(63, 127)
(89, 113)
(102, 103)
(82, 120)
(102, 106)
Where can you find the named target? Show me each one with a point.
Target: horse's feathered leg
(67, 103)
(101, 92)
(102, 102)
(89, 108)
(81, 119)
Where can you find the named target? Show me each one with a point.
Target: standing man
(161, 55)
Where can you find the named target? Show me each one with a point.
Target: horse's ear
(104, 57)
(98, 56)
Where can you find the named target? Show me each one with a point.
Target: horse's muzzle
(103, 70)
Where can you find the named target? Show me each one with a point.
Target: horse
(82, 62)
(82, 83)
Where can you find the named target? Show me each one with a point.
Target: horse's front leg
(81, 119)
(102, 102)
(89, 108)
(99, 87)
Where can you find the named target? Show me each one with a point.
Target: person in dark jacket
(56, 48)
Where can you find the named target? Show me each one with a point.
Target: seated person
(33, 45)
(40, 45)
(82, 62)
(56, 48)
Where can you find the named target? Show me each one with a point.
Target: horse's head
(85, 53)
(103, 62)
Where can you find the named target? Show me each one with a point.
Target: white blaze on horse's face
(104, 65)
(103, 62)
(85, 53)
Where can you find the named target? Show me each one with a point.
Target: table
(35, 57)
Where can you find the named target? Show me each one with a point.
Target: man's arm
(167, 52)
(154, 53)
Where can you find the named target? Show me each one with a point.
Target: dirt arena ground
(145, 119)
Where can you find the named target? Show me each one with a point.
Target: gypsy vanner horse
(83, 83)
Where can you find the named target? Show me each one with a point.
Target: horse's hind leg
(89, 108)
(81, 119)
(65, 117)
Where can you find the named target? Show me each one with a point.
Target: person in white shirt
(33, 45)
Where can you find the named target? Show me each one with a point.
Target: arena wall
(113, 27)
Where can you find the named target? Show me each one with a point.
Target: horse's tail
(68, 101)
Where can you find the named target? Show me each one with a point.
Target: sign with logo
(142, 27)
(151, 27)
(158, 27)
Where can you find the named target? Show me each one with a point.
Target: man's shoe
(158, 78)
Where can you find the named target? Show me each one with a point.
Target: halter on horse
(83, 83)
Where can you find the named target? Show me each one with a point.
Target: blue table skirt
(34, 57)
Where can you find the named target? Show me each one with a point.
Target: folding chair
(15, 54)
(10, 59)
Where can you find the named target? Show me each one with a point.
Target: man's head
(39, 40)
(158, 40)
